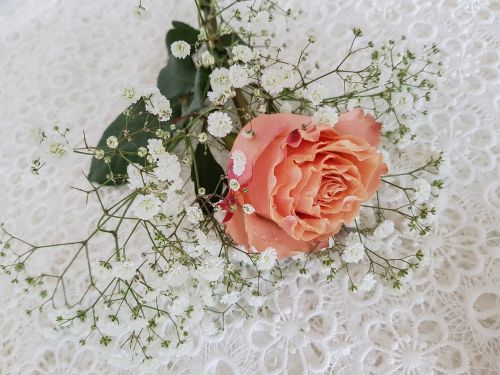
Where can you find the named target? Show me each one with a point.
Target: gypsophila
(180, 49)
(130, 94)
(156, 148)
(315, 93)
(325, 116)
(202, 137)
(267, 259)
(219, 80)
(242, 53)
(239, 76)
(112, 142)
(354, 249)
(124, 270)
(234, 184)
(248, 209)
(57, 149)
(367, 283)
(99, 153)
(207, 59)
(168, 167)
(219, 124)
(157, 104)
(239, 162)
(194, 215)
(146, 207)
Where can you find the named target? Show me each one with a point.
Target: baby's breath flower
(141, 13)
(194, 215)
(242, 53)
(57, 149)
(207, 59)
(130, 94)
(124, 270)
(168, 167)
(234, 184)
(112, 142)
(219, 124)
(146, 207)
(248, 209)
(135, 178)
(271, 82)
(142, 151)
(220, 80)
(202, 137)
(239, 162)
(222, 96)
(354, 249)
(315, 93)
(212, 268)
(325, 116)
(312, 38)
(156, 148)
(248, 134)
(239, 76)
(180, 49)
(267, 259)
(157, 104)
(367, 283)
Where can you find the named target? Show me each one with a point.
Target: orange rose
(303, 180)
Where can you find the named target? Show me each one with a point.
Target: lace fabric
(67, 62)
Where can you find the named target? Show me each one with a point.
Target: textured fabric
(67, 62)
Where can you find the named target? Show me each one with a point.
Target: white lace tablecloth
(67, 62)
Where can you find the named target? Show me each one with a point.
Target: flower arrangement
(241, 168)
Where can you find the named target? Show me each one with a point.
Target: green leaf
(201, 87)
(229, 140)
(177, 78)
(134, 125)
(206, 173)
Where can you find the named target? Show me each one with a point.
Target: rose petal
(357, 123)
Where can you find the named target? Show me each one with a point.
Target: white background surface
(66, 63)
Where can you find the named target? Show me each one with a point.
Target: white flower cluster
(157, 104)
(219, 124)
(180, 49)
(239, 162)
(223, 82)
(354, 249)
(275, 79)
(325, 116)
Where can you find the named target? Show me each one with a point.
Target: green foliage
(206, 173)
(181, 82)
(132, 132)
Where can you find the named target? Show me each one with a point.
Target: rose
(303, 180)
